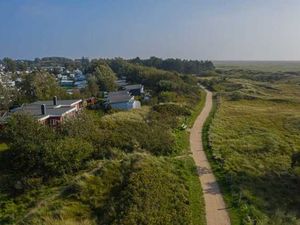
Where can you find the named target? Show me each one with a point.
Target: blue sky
(193, 29)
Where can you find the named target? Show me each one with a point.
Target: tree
(10, 64)
(21, 65)
(39, 86)
(105, 78)
(93, 87)
(6, 96)
(26, 139)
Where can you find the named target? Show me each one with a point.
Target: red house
(51, 113)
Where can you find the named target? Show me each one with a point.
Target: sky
(191, 29)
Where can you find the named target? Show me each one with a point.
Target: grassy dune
(270, 66)
(138, 189)
(129, 187)
(251, 138)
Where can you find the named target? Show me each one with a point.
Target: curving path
(216, 212)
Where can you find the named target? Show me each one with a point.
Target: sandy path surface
(216, 213)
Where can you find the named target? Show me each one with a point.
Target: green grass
(233, 212)
(249, 143)
(3, 146)
(197, 109)
(156, 183)
(196, 195)
(193, 182)
(145, 189)
(182, 136)
(182, 141)
(271, 66)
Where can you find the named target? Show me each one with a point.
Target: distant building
(121, 83)
(121, 100)
(67, 83)
(135, 89)
(50, 113)
(80, 84)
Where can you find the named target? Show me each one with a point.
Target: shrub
(137, 190)
(66, 155)
(172, 109)
(26, 138)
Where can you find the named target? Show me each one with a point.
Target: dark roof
(69, 102)
(133, 86)
(113, 93)
(118, 96)
(121, 82)
(34, 109)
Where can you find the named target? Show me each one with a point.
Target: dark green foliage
(57, 61)
(166, 85)
(100, 74)
(36, 150)
(178, 65)
(66, 155)
(10, 64)
(131, 136)
(172, 109)
(150, 77)
(295, 159)
(85, 126)
(26, 139)
(7, 97)
(38, 86)
(138, 190)
(105, 78)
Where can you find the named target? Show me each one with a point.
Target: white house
(122, 100)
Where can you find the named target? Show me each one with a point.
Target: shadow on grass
(268, 193)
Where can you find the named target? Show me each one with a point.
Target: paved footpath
(216, 213)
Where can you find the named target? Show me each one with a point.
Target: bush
(26, 138)
(137, 190)
(172, 109)
(132, 136)
(66, 155)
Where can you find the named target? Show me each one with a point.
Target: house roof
(118, 93)
(118, 96)
(34, 109)
(121, 82)
(133, 86)
(68, 102)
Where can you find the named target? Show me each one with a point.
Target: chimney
(43, 109)
(55, 100)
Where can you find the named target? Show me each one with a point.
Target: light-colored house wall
(126, 105)
(122, 105)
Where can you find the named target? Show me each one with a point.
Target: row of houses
(55, 111)
(73, 80)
